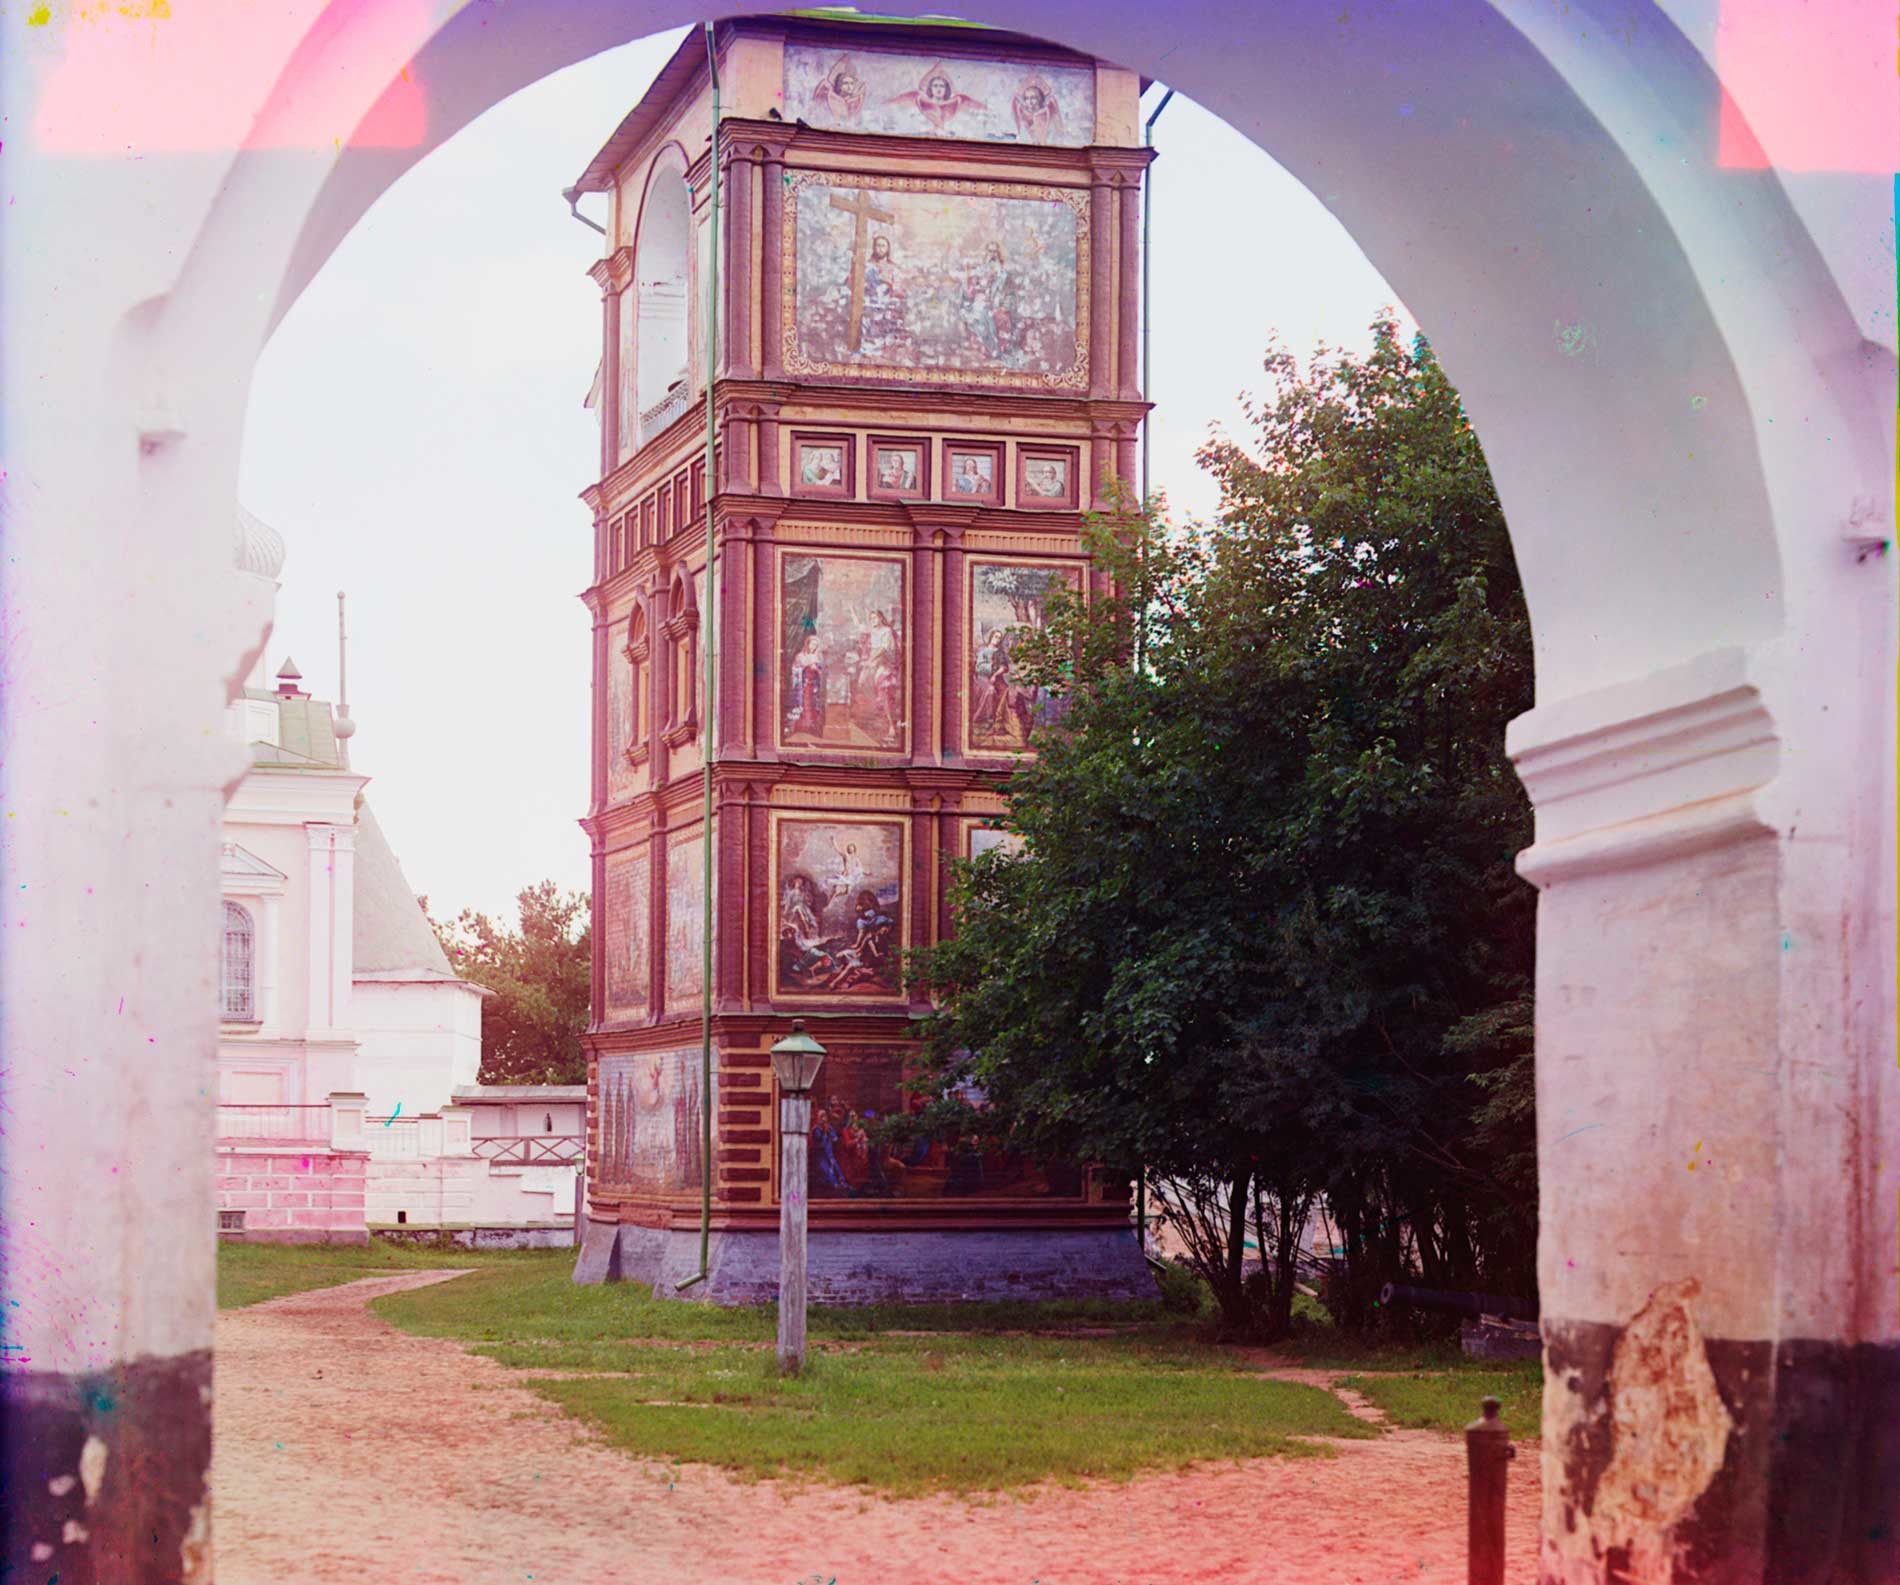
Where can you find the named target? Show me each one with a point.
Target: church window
(237, 974)
(667, 525)
(638, 685)
(682, 636)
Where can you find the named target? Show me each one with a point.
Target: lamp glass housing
(795, 1062)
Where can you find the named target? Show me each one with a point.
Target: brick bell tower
(924, 373)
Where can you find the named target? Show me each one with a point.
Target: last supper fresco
(904, 276)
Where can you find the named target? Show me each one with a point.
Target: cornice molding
(1646, 770)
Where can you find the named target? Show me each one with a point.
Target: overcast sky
(416, 433)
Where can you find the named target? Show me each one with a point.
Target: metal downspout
(709, 620)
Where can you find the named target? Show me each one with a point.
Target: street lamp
(795, 1061)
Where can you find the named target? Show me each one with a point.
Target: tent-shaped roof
(392, 937)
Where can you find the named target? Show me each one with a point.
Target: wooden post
(580, 1201)
(1488, 1455)
(794, 1127)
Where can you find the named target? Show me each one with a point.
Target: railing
(274, 1122)
(663, 412)
(534, 1150)
(394, 1138)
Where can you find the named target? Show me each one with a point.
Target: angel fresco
(937, 99)
(1038, 116)
(840, 92)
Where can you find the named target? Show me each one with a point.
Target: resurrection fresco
(938, 280)
(629, 932)
(1007, 599)
(685, 923)
(855, 1091)
(842, 662)
(650, 1127)
(622, 778)
(839, 925)
(992, 101)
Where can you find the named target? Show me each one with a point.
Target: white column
(322, 1016)
(343, 927)
(266, 964)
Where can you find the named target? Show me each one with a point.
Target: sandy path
(348, 1451)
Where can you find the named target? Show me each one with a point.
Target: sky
(416, 433)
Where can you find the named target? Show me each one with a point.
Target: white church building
(348, 1049)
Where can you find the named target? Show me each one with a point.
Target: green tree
(1266, 933)
(541, 974)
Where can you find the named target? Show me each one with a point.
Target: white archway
(1691, 429)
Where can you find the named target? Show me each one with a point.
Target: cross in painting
(863, 210)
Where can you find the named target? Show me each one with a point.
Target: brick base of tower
(857, 1267)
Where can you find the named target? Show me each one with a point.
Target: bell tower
(923, 374)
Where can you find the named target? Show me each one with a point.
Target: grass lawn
(249, 1273)
(905, 1399)
(1448, 1400)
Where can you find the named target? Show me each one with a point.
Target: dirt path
(348, 1451)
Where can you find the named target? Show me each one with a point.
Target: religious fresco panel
(842, 659)
(647, 1110)
(628, 928)
(622, 779)
(990, 839)
(866, 90)
(685, 922)
(938, 280)
(1008, 599)
(839, 925)
(856, 1090)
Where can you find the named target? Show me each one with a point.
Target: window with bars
(230, 1221)
(237, 980)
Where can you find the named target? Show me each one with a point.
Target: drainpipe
(1147, 391)
(1147, 208)
(573, 197)
(709, 620)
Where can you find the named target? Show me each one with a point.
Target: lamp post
(795, 1061)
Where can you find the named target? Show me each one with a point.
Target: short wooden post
(580, 1202)
(794, 1128)
(1488, 1455)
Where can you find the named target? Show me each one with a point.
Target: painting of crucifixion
(908, 278)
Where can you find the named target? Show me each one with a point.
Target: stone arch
(1649, 343)
(663, 333)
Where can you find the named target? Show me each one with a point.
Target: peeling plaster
(1668, 1435)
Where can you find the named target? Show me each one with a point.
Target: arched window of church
(237, 974)
(639, 686)
(662, 255)
(682, 637)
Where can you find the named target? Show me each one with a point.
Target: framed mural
(900, 468)
(1045, 477)
(622, 778)
(685, 964)
(989, 101)
(973, 472)
(629, 928)
(1007, 598)
(932, 281)
(857, 1090)
(647, 1111)
(824, 465)
(839, 927)
(981, 839)
(843, 661)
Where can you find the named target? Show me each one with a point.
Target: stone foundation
(848, 1268)
(291, 1196)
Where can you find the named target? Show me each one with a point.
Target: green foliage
(1183, 1292)
(896, 1399)
(1266, 938)
(541, 975)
